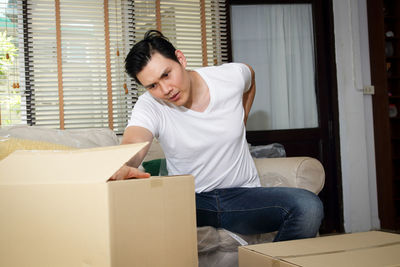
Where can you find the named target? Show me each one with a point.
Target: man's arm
(134, 134)
(248, 96)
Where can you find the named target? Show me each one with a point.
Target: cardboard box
(56, 209)
(359, 249)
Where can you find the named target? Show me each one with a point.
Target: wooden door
(384, 44)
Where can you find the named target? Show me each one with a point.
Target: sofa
(216, 247)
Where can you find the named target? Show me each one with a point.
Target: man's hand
(134, 134)
(127, 172)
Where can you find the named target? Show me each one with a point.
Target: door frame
(322, 142)
(380, 104)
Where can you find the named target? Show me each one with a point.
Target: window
(74, 54)
(10, 96)
(278, 41)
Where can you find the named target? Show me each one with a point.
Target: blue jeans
(295, 213)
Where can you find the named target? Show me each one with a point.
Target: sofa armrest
(302, 172)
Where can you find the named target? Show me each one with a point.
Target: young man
(199, 118)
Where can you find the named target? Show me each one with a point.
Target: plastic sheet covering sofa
(216, 247)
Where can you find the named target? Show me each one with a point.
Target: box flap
(71, 166)
(326, 244)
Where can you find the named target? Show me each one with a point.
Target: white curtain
(277, 41)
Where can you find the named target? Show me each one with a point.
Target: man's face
(167, 79)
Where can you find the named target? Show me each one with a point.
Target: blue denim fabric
(295, 213)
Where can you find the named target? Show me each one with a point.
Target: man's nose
(165, 88)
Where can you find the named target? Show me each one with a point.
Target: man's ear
(181, 57)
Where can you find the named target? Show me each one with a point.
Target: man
(199, 118)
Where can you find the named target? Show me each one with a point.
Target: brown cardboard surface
(174, 237)
(66, 166)
(78, 219)
(250, 258)
(372, 248)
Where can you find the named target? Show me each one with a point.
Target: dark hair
(140, 54)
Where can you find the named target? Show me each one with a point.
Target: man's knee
(303, 217)
(310, 209)
(313, 205)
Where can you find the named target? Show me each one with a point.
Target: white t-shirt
(211, 145)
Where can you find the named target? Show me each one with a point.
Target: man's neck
(200, 93)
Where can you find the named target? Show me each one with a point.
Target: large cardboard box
(56, 209)
(359, 249)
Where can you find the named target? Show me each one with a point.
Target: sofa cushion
(156, 167)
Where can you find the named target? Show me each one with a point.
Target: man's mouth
(174, 97)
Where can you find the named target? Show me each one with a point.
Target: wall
(355, 116)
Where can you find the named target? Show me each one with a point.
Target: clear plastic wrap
(207, 239)
(273, 150)
(216, 247)
(219, 247)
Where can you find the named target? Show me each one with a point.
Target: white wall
(355, 116)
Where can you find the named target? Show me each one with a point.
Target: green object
(156, 167)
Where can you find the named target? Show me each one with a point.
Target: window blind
(203, 39)
(74, 54)
(74, 69)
